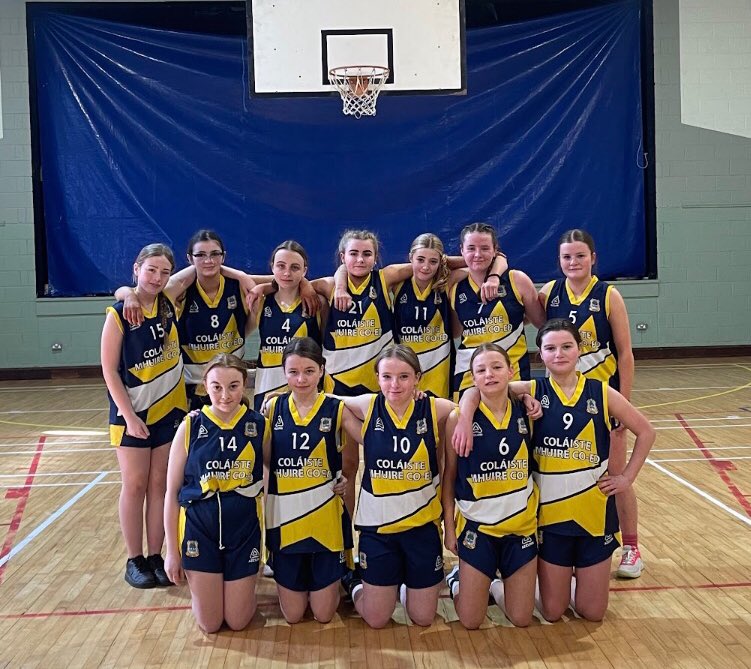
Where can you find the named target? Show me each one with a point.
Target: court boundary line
(17, 517)
(721, 471)
(47, 522)
(700, 492)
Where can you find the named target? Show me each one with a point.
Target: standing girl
(501, 320)
(213, 314)
(143, 371)
(399, 507)
(280, 316)
(213, 505)
(578, 522)
(308, 528)
(598, 311)
(496, 501)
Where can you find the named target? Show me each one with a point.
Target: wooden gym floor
(63, 601)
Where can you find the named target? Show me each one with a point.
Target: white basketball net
(359, 86)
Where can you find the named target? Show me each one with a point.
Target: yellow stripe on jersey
(118, 321)
(174, 399)
(229, 341)
(181, 518)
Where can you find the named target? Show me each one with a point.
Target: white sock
(496, 590)
(403, 595)
(572, 602)
(355, 590)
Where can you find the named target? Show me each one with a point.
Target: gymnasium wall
(704, 226)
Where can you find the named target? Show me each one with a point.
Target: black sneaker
(349, 581)
(138, 573)
(156, 564)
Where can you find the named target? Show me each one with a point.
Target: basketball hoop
(359, 86)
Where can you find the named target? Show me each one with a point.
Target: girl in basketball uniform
(598, 311)
(308, 527)
(495, 499)
(213, 504)
(143, 371)
(213, 313)
(399, 507)
(577, 518)
(500, 320)
(280, 316)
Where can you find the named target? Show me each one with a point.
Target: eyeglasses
(214, 255)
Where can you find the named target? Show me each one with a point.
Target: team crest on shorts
(527, 542)
(342, 557)
(267, 312)
(501, 291)
(608, 538)
(470, 540)
(438, 563)
(594, 305)
(325, 425)
(521, 426)
(363, 560)
(422, 426)
(403, 299)
(232, 302)
(373, 295)
(193, 307)
(555, 302)
(251, 430)
(191, 548)
(255, 556)
(592, 407)
(545, 402)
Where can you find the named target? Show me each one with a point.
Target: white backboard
(294, 43)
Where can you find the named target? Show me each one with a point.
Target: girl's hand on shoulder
(533, 406)
(132, 311)
(613, 485)
(173, 567)
(461, 440)
(340, 486)
(489, 289)
(309, 298)
(266, 406)
(420, 394)
(342, 299)
(254, 296)
(135, 427)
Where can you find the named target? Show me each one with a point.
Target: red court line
(22, 495)
(719, 466)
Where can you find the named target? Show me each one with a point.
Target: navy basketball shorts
(160, 433)
(413, 557)
(576, 551)
(231, 548)
(491, 555)
(308, 572)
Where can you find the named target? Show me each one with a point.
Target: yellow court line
(59, 427)
(703, 397)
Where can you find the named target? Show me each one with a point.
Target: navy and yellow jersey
(277, 325)
(494, 487)
(500, 321)
(150, 367)
(590, 312)
(211, 326)
(223, 457)
(422, 321)
(353, 339)
(303, 515)
(400, 486)
(571, 445)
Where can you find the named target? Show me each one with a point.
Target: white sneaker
(453, 579)
(631, 565)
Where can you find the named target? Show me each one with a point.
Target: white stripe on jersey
(589, 361)
(555, 487)
(376, 511)
(283, 509)
(493, 510)
(269, 378)
(144, 396)
(430, 359)
(194, 371)
(343, 360)
(464, 355)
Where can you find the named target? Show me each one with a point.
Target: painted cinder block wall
(702, 296)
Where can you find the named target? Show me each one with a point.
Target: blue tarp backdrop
(148, 135)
